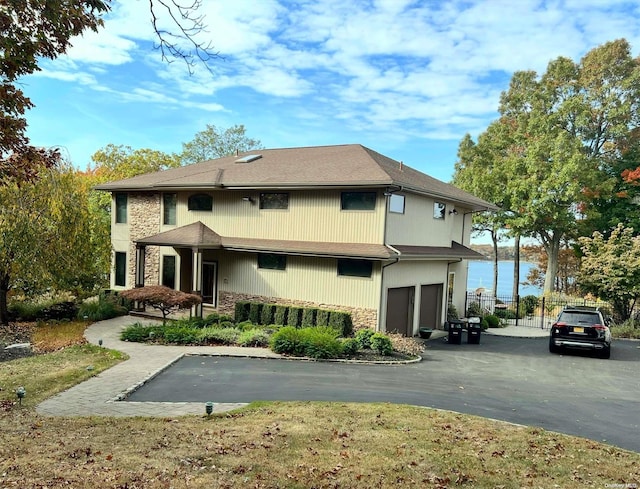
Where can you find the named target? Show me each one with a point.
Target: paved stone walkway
(103, 394)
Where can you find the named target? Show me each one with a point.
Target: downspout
(387, 194)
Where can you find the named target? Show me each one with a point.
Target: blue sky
(405, 78)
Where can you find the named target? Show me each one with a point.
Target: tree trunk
(494, 238)
(552, 247)
(516, 267)
(4, 311)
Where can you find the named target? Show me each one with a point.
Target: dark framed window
(273, 200)
(438, 210)
(272, 262)
(121, 208)
(169, 209)
(120, 269)
(355, 268)
(200, 202)
(358, 201)
(169, 271)
(396, 203)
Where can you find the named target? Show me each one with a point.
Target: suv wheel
(605, 352)
(553, 348)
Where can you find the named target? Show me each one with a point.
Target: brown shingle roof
(351, 165)
(197, 235)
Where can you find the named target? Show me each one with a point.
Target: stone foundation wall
(362, 318)
(144, 221)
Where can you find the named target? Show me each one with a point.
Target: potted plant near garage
(424, 332)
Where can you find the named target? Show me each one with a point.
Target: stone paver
(103, 394)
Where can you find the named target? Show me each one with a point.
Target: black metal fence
(528, 311)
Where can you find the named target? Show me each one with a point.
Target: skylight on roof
(248, 158)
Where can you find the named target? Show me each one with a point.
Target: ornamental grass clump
(253, 337)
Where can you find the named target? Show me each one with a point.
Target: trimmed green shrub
(140, 333)
(216, 318)
(321, 343)
(241, 311)
(322, 317)
(218, 336)
(268, 311)
(350, 346)
(288, 340)
(280, 315)
(528, 304)
(294, 316)
(492, 321)
(180, 335)
(255, 310)
(381, 343)
(245, 326)
(309, 317)
(363, 337)
(341, 321)
(484, 324)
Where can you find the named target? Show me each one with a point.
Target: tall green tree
(562, 131)
(610, 269)
(216, 143)
(45, 239)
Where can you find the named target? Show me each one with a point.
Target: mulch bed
(12, 334)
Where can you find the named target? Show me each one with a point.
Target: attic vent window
(248, 158)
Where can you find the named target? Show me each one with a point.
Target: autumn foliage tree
(162, 298)
(30, 30)
(610, 269)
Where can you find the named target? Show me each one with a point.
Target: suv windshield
(573, 317)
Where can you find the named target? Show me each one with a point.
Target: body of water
(481, 276)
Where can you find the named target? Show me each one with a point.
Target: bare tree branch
(189, 25)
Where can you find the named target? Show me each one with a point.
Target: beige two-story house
(339, 227)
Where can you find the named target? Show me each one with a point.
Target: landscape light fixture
(208, 408)
(20, 392)
(100, 342)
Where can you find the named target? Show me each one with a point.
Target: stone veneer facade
(144, 221)
(362, 318)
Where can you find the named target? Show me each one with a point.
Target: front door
(400, 310)
(210, 283)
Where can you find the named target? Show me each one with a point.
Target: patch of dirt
(374, 356)
(12, 334)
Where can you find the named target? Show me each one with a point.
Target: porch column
(139, 273)
(197, 280)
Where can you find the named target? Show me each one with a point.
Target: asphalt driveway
(512, 379)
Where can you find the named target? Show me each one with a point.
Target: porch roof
(197, 235)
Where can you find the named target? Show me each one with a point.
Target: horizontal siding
(305, 279)
(311, 216)
(417, 225)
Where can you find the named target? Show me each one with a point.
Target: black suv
(582, 328)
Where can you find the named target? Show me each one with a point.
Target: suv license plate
(578, 329)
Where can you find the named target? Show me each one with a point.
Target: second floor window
(121, 208)
(396, 203)
(358, 201)
(273, 200)
(200, 202)
(169, 209)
